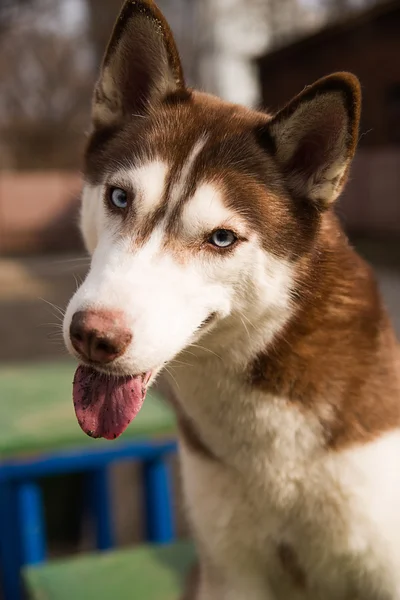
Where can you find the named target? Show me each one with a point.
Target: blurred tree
(284, 18)
(8, 8)
(10, 11)
(45, 94)
(101, 18)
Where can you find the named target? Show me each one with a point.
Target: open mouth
(104, 404)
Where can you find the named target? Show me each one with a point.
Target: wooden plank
(37, 413)
(145, 573)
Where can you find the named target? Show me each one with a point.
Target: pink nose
(99, 336)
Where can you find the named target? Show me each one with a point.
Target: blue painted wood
(82, 460)
(10, 559)
(100, 508)
(31, 523)
(21, 517)
(160, 526)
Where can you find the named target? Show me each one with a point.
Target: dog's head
(196, 212)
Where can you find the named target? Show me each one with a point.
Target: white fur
(276, 484)
(164, 299)
(329, 184)
(149, 181)
(274, 481)
(92, 213)
(206, 209)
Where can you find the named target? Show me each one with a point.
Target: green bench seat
(142, 573)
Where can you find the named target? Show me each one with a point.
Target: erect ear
(315, 136)
(140, 67)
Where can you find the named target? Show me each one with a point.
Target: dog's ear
(140, 67)
(314, 137)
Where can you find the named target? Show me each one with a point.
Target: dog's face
(196, 212)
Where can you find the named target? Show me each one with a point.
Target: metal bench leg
(160, 527)
(31, 523)
(10, 560)
(100, 507)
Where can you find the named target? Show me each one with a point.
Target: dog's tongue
(105, 406)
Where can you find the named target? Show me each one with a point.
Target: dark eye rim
(109, 191)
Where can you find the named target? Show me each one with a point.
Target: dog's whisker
(207, 350)
(77, 283)
(79, 259)
(55, 335)
(180, 363)
(172, 376)
(245, 326)
(247, 319)
(186, 351)
(57, 308)
(58, 326)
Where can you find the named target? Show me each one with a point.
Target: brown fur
(350, 89)
(233, 157)
(141, 28)
(337, 108)
(148, 10)
(338, 356)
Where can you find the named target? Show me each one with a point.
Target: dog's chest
(262, 436)
(268, 455)
(273, 503)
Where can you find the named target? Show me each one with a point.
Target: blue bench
(41, 438)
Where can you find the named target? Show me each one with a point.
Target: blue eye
(222, 238)
(118, 197)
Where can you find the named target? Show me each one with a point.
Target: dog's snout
(99, 336)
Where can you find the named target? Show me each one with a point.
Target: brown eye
(222, 238)
(118, 197)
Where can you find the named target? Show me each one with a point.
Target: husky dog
(216, 251)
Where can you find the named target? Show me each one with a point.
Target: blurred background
(257, 52)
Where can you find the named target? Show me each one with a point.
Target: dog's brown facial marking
(276, 173)
(230, 158)
(263, 166)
